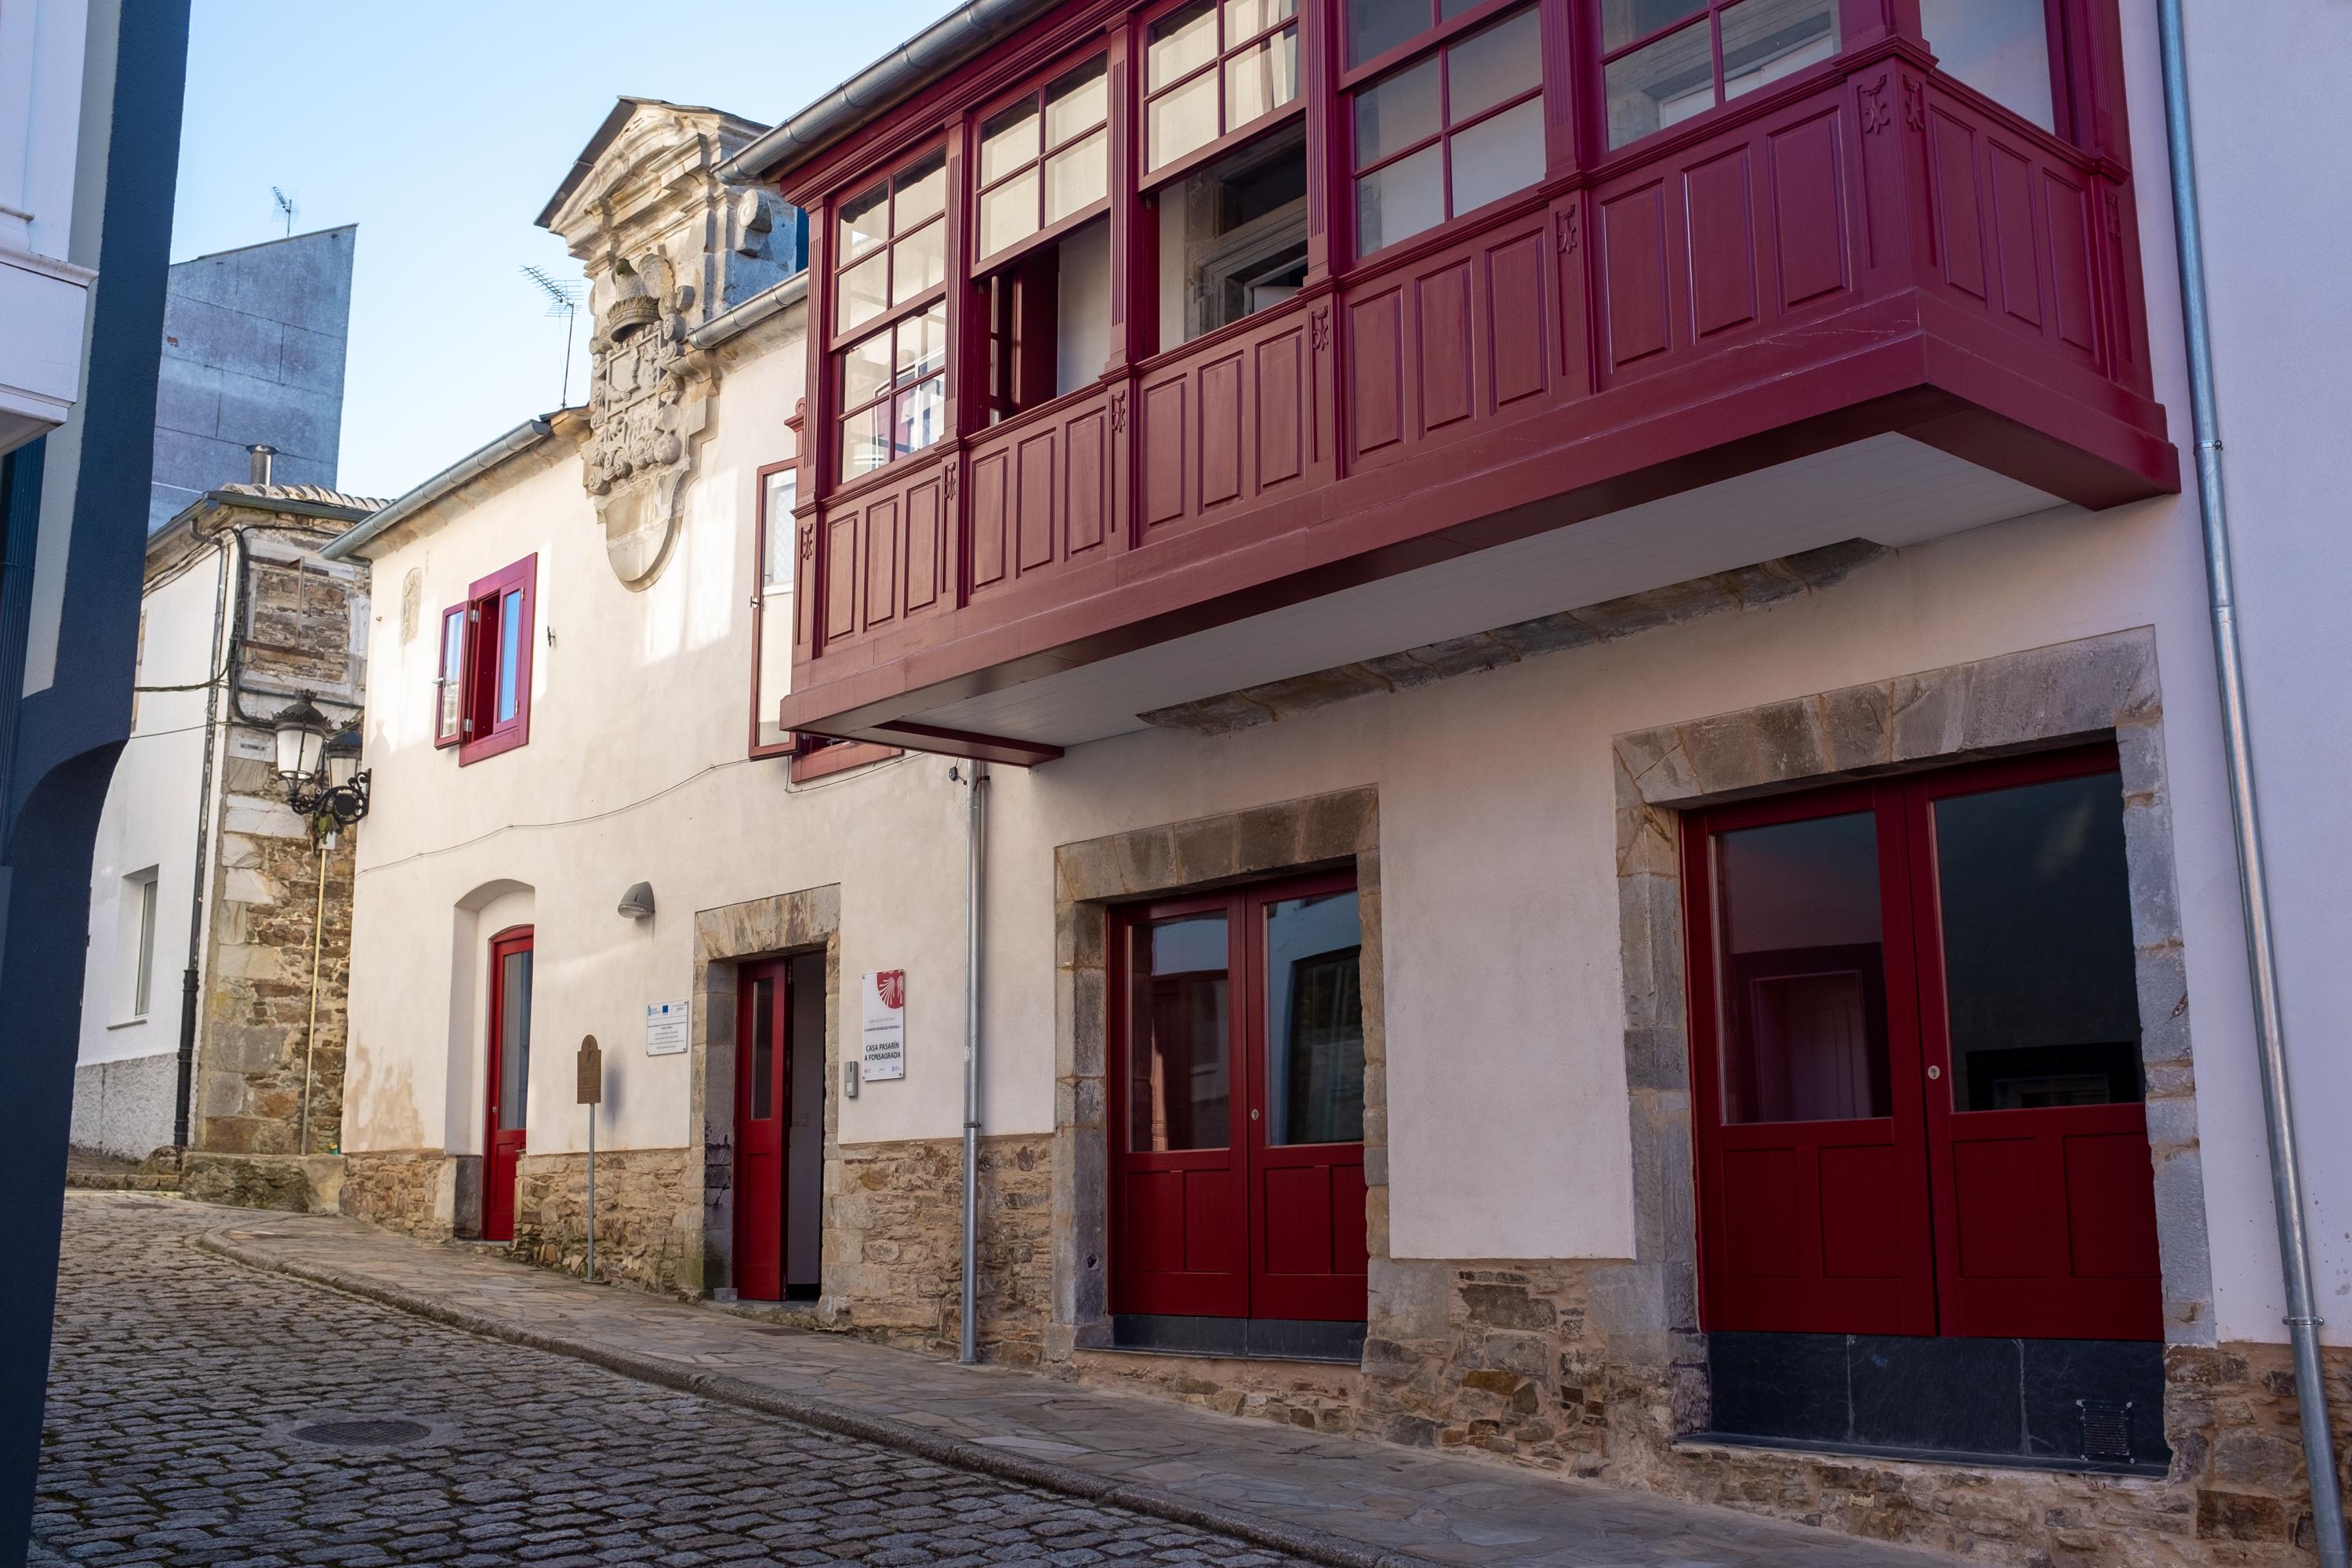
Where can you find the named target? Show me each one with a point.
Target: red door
(1238, 1082)
(763, 1113)
(509, 1035)
(1916, 1058)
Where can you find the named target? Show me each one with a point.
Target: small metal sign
(592, 1071)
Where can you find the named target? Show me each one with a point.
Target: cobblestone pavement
(182, 1385)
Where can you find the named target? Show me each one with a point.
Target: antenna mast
(562, 300)
(286, 208)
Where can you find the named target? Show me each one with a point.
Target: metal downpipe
(2262, 962)
(974, 891)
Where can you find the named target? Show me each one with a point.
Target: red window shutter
(501, 613)
(449, 679)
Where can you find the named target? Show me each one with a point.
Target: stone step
(125, 1180)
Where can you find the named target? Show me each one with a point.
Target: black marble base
(2072, 1403)
(1267, 1339)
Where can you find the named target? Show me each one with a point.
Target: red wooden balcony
(1862, 300)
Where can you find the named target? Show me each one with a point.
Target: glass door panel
(1314, 1020)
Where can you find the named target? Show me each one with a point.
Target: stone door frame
(725, 938)
(1324, 831)
(2096, 689)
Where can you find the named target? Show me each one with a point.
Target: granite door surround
(2094, 689)
(1317, 832)
(724, 938)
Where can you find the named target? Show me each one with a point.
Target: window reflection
(1463, 127)
(2000, 48)
(1179, 1078)
(1314, 1020)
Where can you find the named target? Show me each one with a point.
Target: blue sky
(441, 129)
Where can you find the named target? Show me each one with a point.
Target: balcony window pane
(2036, 907)
(864, 222)
(1182, 43)
(1498, 155)
(1183, 120)
(1376, 27)
(1764, 41)
(1233, 236)
(923, 343)
(1078, 102)
(1248, 19)
(1077, 177)
(920, 409)
(864, 370)
(1802, 957)
(1401, 200)
(1491, 66)
(2000, 48)
(1179, 1039)
(1622, 21)
(1661, 84)
(1009, 140)
(1008, 213)
(865, 441)
(776, 572)
(922, 191)
(1397, 111)
(922, 264)
(1449, 9)
(1262, 78)
(864, 292)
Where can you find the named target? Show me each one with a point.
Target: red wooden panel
(2020, 269)
(1152, 1233)
(1376, 360)
(1220, 430)
(1633, 273)
(991, 482)
(1442, 324)
(1088, 491)
(1998, 1189)
(1862, 1213)
(1163, 451)
(1033, 512)
(1281, 395)
(1806, 167)
(841, 574)
(1722, 244)
(882, 547)
(1211, 1244)
(1299, 1215)
(2111, 1206)
(2066, 221)
(1515, 331)
(1763, 1195)
(1350, 1247)
(1959, 225)
(926, 544)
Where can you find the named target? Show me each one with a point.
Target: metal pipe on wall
(2237, 745)
(231, 544)
(310, 1038)
(974, 891)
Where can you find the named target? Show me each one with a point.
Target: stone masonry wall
(418, 1192)
(894, 1243)
(648, 1217)
(256, 1022)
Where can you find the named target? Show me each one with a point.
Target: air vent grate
(2106, 1428)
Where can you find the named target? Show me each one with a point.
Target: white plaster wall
(1507, 1120)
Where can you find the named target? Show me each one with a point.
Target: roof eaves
(473, 466)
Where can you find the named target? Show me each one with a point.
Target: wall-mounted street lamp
(321, 771)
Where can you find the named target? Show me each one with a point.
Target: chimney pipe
(261, 453)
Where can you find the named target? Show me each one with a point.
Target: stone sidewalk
(1334, 1499)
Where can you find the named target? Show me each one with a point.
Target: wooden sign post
(591, 1094)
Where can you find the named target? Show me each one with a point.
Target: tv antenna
(286, 208)
(562, 300)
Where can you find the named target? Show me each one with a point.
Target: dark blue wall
(62, 742)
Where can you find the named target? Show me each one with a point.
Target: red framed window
(1045, 160)
(891, 316)
(1214, 69)
(1666, 62)
(483, 688)
(1915, 1063)
(1459, 127)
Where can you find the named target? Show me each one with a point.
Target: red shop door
(1916, 1058)
(1237, 1180)
(762, 1112)
(509, 1035)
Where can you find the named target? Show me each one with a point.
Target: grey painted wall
(253, 351)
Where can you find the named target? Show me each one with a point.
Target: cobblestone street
(184, 1390)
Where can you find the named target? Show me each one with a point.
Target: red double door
(779, 1121)
(1237, 1104)
(508, 1035)
(1916, 1058)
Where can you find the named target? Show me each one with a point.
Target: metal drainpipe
(2262, 962)
(231, 544)
(974, 888)
(311, 1040)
